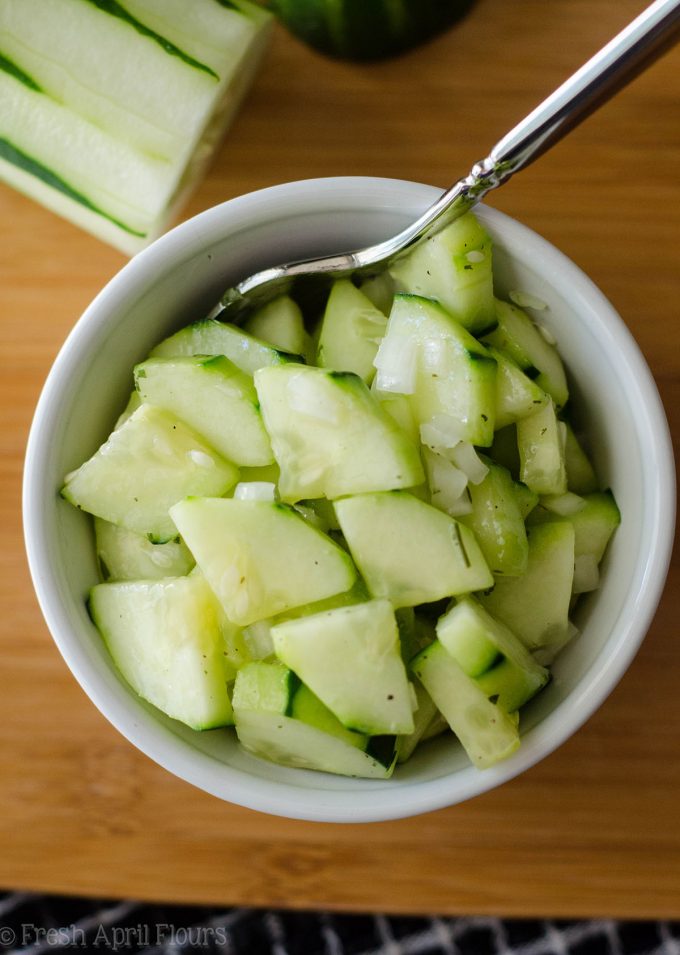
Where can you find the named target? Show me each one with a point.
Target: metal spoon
(655, 30)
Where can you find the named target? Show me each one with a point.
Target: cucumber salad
(345, 533)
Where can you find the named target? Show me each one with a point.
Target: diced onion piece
(527, 300)
(258, 639)
(466, 458)
(586, 574)
(563, 504)
(397, 364)
(546, 333)
(255, 491)
(441, 433)
(448, 485)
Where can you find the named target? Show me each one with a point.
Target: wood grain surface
(592, 830)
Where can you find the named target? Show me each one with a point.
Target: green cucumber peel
(22, 160)
(115, 9)
(10, 67)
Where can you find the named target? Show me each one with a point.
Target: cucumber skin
(368, 30)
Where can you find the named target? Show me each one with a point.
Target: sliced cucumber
(261, 558)
(446, 372)
(540, 441)
(309, 709)
(517, 396)
(210, 337)
(535, 606)
(165, 639)
(213, 397)
(351, 331)
(497, 522)
(280, 324)
(594, 523)
(95, 135)
(126, 555)
(491, 654)
(487, 733)
(268, 687)
(330, 436)
(518, 337)
(422, 720)
(454, 267)
(581, 478)
(147, 465)
(350, 658)
(290, 742)
(408, 551)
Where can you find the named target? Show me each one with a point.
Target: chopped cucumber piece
(213, 397)
(525, 497)
(497, 522)
(165, 639)
(518, 337)
(422, 720)
(264, 686)
(408, 551)
(535, 606)
(210, 337)
(330, 436)
(540, 440)
(291, 742)
(261, 558)
(280, 324)
(517, 396)
(380, 290)
(126, 555)
(491, 654)
(309, 709)
(593, 523)
(351, 331)
(148, 464)
(487, 733)
(350, 658)
(454, 267)
(446, 372)
(581, 477)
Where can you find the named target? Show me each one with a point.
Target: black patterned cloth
(57, 924)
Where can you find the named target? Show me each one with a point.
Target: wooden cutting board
(593, 830)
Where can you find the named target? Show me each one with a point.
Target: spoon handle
(655, 30)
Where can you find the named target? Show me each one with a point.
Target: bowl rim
(282, 798)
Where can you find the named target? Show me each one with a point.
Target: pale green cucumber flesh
(261, 558)
(487, 733)
(291, 742)
(148, 464)
(350, 658)
(408, 551)
(535, 606)
(213, 397)
(497, 522)
(127, 555)
(453, 373)
(351, 330)
(210, 337)
(164, 637)
(330, 436)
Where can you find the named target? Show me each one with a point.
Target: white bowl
(177, 280)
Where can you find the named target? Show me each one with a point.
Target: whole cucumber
(367, 29)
